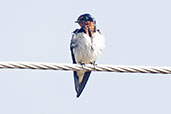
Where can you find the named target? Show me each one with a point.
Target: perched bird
(86, 46)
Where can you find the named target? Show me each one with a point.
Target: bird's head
(86, 21)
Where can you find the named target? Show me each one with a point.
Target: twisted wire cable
(86, 67)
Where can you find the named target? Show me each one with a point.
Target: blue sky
(136, 33)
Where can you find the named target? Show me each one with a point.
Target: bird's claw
(83, 64)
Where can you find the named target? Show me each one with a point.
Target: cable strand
(86, 67)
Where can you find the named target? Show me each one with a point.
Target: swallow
(86, 46)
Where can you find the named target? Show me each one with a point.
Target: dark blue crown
(86, 17)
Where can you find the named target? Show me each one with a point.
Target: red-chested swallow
(86, 46)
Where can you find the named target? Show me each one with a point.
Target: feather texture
(85, 50)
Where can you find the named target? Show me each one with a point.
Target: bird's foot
(93, 63)
(82, 63)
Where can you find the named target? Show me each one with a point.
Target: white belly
(88, 49)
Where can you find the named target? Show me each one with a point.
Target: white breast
(88, 49)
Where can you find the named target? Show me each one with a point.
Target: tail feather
(79, 87)
(76, 81)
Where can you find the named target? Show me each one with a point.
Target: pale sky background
(137, 32)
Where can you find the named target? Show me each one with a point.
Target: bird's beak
(77, 21)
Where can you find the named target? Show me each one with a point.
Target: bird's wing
(80, 79)
(72, 55)
(73, 45)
